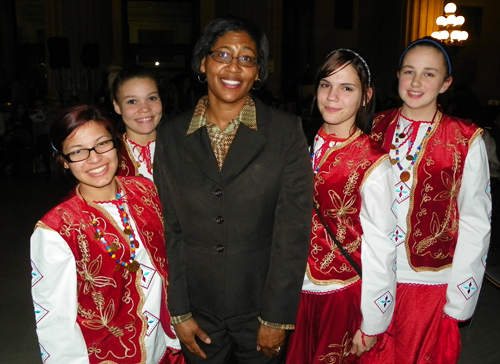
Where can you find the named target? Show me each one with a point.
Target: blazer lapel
(245, 147)
(199, 148)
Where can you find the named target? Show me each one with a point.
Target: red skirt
(325, 327)
(172, 357)
(419, 333)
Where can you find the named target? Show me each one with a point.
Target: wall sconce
(449, 27)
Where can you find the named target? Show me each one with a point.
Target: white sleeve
(53, 288)
(378, 252)
(469, 261)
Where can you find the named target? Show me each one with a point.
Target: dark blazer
(237, 239)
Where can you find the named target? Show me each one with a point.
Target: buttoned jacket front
(237, 239)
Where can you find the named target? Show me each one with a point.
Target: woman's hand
(361, 343)
(270, 341)
(186, 333)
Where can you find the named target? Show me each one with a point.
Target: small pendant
(409, 157)
(127, 231)
(133, 267)
(114, 247)
(392, 147)
(97, 236)
(402, 135)
(393, 161)
(151, 166)
(404, 176)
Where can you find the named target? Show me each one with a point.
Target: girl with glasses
(99, 267)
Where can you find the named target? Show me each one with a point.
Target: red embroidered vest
(110, 301)
(127, 165)
(337, 185)
(432, 221)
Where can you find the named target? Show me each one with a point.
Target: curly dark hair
(220, 26)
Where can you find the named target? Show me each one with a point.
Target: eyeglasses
(83, 154)
(225, 57)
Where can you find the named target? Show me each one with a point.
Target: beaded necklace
(132, 265)
(410, 130)
(144, 154)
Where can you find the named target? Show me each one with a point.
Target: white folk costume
(135, 159)
(353, 190)
(88, 307)
(443, 206)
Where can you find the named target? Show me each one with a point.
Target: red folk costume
(110, 298)
(432, 227)
(136, 160)
(333, 301)
(338, 178)
(443, 203)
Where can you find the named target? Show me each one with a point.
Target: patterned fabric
(221, 140)
(136, 160)
(340, 172)
(110, 300)
(432, 232)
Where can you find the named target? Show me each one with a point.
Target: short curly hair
(220, 26)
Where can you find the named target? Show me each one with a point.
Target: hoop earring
(202, 79)
(257, 84)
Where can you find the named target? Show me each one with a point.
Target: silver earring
(203, 78)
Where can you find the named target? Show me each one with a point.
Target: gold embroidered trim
(42, 225)
(478, 132)
(275, 326)
(130, 155)
(176, 320)
(372, 168)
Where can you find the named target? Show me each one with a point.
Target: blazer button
(220, 248)
(219, 220)
(218, 192)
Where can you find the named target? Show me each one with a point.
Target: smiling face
(230, 83)
(139, 104)
(422, 78)
(339, 96)
(95, 174)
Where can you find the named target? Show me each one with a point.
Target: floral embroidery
(342, 352)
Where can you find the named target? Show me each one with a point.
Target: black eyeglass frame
(67, 156)
(254, 59)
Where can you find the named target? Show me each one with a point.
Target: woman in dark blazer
(235, 182)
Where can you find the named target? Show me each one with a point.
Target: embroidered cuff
(175, 320)
(275, 326)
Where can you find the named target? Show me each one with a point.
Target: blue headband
(431, 41)
(359, 57)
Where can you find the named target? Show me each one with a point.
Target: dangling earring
(257, 84)
(203, 77)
